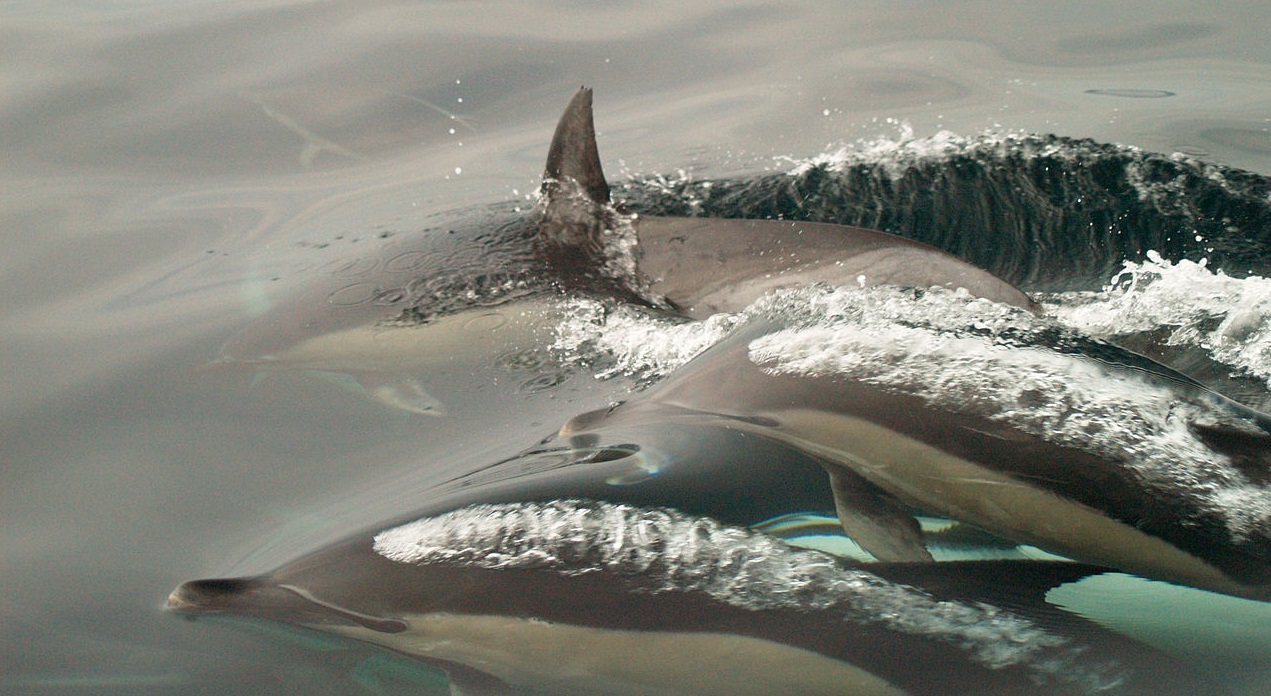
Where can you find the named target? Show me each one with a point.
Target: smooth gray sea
(167, 169)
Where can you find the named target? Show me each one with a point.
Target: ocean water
(171, 171)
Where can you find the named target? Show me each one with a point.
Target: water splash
(621, 340)
(1043, 211)
(1227, 318)
(966, 355)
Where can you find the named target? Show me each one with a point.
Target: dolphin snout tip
(207, 596)
(183, 601)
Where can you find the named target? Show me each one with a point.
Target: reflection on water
(171, 171)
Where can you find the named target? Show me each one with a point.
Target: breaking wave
(1046, 212)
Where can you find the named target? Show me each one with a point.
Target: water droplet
(406, 261)
(352, 295)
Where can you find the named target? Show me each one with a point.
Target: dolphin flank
(1184, 496)
(603, 598)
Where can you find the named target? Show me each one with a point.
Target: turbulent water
(1170, 265)
(1164, 254)
(1043, 211)
(664, 550)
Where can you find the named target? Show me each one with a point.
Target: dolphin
(591, 597)
(389, 317)
(991, 416)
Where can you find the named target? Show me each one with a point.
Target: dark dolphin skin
(887, 453)
(617, 560)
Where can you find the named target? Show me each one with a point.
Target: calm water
(169, 168)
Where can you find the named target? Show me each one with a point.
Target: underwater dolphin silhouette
(493, 280)
(587, 597)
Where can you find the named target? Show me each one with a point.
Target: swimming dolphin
(704, 266)
(587, 597)
(991, 416)
(379, 318)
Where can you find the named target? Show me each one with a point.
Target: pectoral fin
(1249, 450)
(405, 393)
(395, 390)
(875, 520)
(468, 681)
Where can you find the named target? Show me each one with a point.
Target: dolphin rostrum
(590, 597)
(379, 318)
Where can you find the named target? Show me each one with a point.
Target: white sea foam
(895, 154)
(967, 355)
(623, 340)
(1228, 318)
(662, 550)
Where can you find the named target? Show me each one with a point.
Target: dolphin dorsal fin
(576, 212)
(574, 154)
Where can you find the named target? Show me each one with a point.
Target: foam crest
(970, 356)
(895, 155)
(662, 550)
(622, 340)
(1228, 318)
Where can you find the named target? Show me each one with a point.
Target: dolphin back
(704, 266)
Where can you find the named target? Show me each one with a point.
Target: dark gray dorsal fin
(575, 210)
(574, 154)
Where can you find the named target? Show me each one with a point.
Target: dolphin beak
(209, 596)
(262, 598)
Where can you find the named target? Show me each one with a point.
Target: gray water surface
(167, 167)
